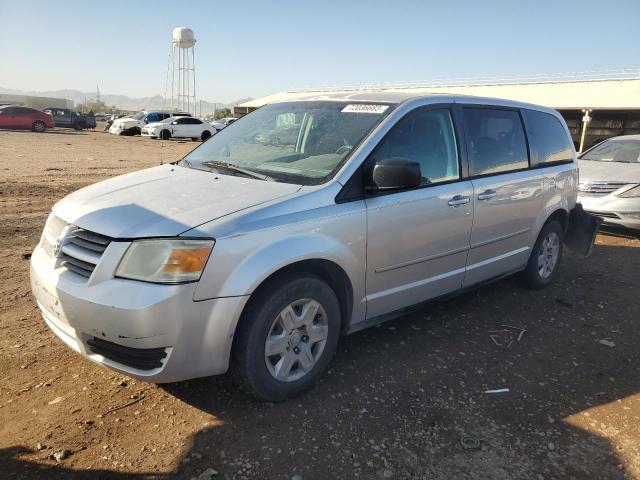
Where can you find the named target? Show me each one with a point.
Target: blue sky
(249, 48)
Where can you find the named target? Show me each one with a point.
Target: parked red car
(25, 118)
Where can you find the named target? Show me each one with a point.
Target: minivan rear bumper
(151, 332)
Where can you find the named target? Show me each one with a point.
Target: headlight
(633, 192)
(52, 231)
(165, 261)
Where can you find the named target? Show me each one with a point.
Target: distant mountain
(121, 101)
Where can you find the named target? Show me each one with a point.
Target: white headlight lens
(52, 231)
(165, 261)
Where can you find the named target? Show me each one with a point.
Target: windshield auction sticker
(364, 108)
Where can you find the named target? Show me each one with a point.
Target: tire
(193, 139)
(206, 134)
(165, 135)
(306, 346)
(77, 126)
(38, 126)
(545, 257)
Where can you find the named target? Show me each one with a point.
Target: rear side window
(496, 141)
(548, 138)
(425, 136)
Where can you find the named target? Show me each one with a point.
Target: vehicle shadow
(49, 131)
(402, 396)
(407, 399)
(17, 468)
(620, 232)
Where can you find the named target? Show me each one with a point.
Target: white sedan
(223, 122)
(183, 127)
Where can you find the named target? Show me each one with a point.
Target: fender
(559, 193)
(239, 264)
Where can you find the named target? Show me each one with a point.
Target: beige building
(34, 102)
(613, 104)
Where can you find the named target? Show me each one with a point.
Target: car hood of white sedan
(163, 201)
(595, 171)
(125, 120)
(150, 126)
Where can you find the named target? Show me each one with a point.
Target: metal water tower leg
(193, 71)
(173, 72)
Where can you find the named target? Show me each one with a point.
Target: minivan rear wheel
(545, 257)
(286, 338)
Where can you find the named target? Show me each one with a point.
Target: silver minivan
(300, 222)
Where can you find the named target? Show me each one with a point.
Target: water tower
(183, 72)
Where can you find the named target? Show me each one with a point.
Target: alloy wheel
(548, 254)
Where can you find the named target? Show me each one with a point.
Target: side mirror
(395, 173)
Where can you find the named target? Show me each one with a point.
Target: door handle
(458, 200)
(487, 194)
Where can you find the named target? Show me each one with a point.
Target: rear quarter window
(549, 141)
(496, 141)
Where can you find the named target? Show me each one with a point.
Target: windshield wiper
(235, 168)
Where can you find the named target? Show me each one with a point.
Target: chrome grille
(599, 188)
(82, 250)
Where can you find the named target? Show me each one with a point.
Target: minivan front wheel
(286, 338)
(545, 257)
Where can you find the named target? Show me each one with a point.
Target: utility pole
(586, 120)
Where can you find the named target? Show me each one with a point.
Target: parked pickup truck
(65, 118)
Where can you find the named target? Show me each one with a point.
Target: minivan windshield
(624, 151)
(294, 142)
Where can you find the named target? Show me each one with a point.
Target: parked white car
(223, 122)
(610, 181)
(183, 127)
(133, 125)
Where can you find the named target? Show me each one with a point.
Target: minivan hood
(595, 171)
(163, 201)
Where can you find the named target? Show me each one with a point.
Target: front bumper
(613, 210)
(119, 129)
(176, 337)
(149, 133)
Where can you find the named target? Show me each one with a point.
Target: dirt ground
(403, 400)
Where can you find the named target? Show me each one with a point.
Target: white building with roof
(611, 99)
